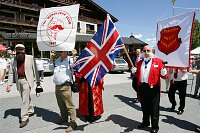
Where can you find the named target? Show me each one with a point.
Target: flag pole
(128, 57)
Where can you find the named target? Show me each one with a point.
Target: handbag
(74, 85)
(38, 90)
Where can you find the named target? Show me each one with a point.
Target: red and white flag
(57, 28)
(174, 38)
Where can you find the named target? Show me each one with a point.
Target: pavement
(121, 114)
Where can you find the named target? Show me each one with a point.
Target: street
(121, 114)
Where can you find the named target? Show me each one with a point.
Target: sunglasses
(19, 49)
(146, 51)
(60, 51)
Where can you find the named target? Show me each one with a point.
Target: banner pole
(128, 57)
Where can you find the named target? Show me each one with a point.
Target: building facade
(19, 18)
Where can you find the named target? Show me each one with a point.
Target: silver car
(119, 65)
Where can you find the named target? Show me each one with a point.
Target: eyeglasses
(19, 49)
(146, 51)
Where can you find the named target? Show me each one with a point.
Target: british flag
(98, 56)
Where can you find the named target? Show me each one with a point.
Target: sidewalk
(121, 114)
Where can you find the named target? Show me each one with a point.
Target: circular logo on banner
(56, 28)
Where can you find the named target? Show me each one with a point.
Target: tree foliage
(173, 2)
(196, 35)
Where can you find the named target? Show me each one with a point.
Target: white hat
(19, 46)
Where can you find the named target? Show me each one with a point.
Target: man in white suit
(23, 70)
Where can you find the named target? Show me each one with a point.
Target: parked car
(119, 65)
(46, 65)
(131, 55)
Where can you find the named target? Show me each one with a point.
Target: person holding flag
(91, 66)
(148, 71)
(63, 80)
(136, 59)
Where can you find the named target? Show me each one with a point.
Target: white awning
(196, 51)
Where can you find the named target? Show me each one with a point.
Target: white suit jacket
(31, 71)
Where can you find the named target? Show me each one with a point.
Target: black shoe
(154, 131)
(97, 117)
(180, 112)
(143, 125)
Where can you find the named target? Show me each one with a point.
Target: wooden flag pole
(128, 57)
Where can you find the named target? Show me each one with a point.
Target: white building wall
(83, 27)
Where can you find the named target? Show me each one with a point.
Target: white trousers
(27, 107)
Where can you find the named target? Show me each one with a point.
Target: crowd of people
(146, 74)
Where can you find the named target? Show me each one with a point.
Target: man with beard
(24, 70)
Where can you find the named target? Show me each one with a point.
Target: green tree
(196, 35)
(173, 2)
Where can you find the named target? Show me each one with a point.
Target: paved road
(121, 114)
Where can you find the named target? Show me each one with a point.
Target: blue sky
(139, 17)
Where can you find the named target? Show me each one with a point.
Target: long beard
(20, 57)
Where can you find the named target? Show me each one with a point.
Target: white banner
(173, 39)
(57, 28)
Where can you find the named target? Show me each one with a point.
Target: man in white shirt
(62, 78)
(179, 82)
(148, 72)
(3, 67)
(40, 67)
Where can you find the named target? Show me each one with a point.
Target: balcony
(21, 22)
(12, 3)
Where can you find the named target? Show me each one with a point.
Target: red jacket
(154, 75)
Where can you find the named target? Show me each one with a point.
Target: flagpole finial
(108, 15)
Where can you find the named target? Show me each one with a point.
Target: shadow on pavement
(186, 125)
(129, 101)
(47, 115)
(14, 112)
(79, 127)
(167, 109)
(127, 123)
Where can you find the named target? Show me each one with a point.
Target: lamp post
(173, 2)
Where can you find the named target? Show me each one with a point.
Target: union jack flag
(98, 56)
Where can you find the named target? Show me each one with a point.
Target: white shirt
(180, 76)
(3, 63)
(40, 64)
(62, 72)
(145, 70)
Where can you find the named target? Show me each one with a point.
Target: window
(7, 14)
(78, 27)
(90, 29)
